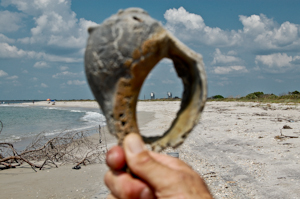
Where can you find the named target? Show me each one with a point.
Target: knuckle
(143, 158)
(129, 192)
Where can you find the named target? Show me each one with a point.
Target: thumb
(143, 165)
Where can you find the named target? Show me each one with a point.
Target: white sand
(233, 148)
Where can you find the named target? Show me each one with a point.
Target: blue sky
(247, 46)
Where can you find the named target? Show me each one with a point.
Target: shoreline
(75, 104)
(63, 182)
(239, 148)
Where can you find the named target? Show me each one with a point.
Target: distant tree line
(261, 96)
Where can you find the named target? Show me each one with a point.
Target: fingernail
(146, 194)
(134, 143)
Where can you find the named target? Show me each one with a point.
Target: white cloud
(181, 16)
(230, 69)
(76, 82)
(166, 61)
(278, 80)
(267, 34)
(63, 67)
(190, 26)
(12, 77)
(5, 39)
(56, 23)
(9, 51)
(34, 79)
(66, 74)
(255, 25)
(41, 64)
(44, 85)
(258, 33)
(167, 81)
(149, 76)
(25, 71)
(276, 60)
(2, 73)
(10, 21)
(220, 58)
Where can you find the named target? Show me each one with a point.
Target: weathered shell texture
(119, 55)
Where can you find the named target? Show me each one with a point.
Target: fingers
(144, 166)
(124, 186)
(115, 158)
(171, 162)
(110, 196)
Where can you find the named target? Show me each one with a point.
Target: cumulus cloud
(5, 39)
(11, 51)
(56, 23)
(190, 26)
(41, 64)
(256, 24)
(76, 82)
(220, 58)
(8, 51)
(268, 34)
(229, 69)
(3, 73)
(259, 32)
(10, 21)
(277, 62)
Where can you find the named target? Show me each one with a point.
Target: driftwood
(71, 147)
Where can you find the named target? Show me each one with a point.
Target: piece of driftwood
(119, 55)
(70, 147)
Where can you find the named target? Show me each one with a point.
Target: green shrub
(218, 97)
(251, 96)
(258, 94)
(295, 93)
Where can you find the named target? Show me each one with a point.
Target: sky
(247, 45)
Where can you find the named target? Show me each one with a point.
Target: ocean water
(21, 122)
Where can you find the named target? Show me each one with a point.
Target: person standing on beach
(155, 175)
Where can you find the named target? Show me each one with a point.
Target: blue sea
(21, 122)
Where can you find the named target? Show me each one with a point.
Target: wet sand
(240, 149)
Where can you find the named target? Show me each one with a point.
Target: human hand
(155, 175)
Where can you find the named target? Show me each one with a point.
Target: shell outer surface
(120, 53)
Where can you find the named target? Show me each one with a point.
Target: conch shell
(119, 55)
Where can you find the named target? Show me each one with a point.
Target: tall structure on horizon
(169, 95)
(152, 95)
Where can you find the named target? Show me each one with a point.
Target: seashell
(119, 55)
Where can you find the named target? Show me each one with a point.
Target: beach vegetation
(218, 97)
(261, 97)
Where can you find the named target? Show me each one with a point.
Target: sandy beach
(240, 149)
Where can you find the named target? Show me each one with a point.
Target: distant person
(32, 101)
(155, 175)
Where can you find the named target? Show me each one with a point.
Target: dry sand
(236, 147)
